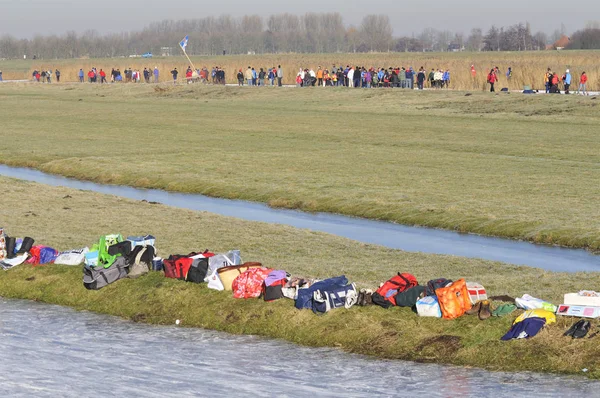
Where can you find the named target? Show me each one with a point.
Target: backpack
(385, 296)
(435, 284)
(177, 266)
(140, 261)
(334, 297)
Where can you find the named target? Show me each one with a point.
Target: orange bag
(454, 300)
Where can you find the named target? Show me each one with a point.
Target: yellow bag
(539, 313)
(228, 274)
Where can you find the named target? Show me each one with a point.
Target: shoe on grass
(474, 309)
(485, 312)
(573, 328)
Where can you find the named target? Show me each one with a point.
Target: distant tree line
(281, 33)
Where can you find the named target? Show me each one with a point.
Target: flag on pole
(184, 42)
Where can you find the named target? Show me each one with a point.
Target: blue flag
(184, 43)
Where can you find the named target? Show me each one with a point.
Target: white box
(579, 311)
(576, 299)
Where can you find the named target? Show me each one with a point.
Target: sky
(25, 18)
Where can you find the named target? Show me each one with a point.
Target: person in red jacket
(91, 76)
(102, 76)
(582, 82)
(492, 79)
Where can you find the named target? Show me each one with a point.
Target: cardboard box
(581, 311)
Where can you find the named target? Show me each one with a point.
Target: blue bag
(305, 296)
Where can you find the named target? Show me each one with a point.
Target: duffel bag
(177, 267)
(409, 297)
(335, 297)
(95, 278)
(228, 274)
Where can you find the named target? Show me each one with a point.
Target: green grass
(524, 167)
(66, 218)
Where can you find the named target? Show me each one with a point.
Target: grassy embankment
(529, 67)
(66, 218)
(515, 166)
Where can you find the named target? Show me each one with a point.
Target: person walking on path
(249, 76)
(279, 76)
(567, 81)
(174, 72)
(582, 83)
(57, 74)
(81, 75)
(156, 74)
(492, 79)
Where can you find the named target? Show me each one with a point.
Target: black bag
(435, 284)
(198, 270)
(123, 248)
(409, 297)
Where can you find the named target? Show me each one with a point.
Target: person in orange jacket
(582, 83)
(320, 77)
(492, 79)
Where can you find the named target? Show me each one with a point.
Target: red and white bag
(476, 292)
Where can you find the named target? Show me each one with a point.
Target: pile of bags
(113, 258)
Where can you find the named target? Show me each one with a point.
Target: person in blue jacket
(567, 81)
(81, 75)
(410, 78)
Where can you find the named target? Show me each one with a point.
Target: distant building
(559, 44)
(454, 47)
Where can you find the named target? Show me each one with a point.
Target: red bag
(177, 267)
(385, 296)
(249, 284)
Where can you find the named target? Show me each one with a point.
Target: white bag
(222, 260)
(72, 257)
(214, 282)
(476, 292)
(528, 302)
(429, 306)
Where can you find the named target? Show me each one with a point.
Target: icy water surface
(52, 351)
(415, 239)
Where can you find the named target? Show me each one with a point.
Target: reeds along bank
(528, 67)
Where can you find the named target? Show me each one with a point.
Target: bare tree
(376, 32)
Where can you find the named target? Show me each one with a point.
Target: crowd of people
(348, 76)
(45, 76)
(273, 75)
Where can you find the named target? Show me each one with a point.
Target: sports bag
(95, 278)
(454, 299)
(334, 297)
(228, 274)
(429, 307)
(385, 296)
(304, 297)
(177, 266)
(409, 297)
(435, 284)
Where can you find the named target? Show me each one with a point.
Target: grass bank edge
(502, 228)
(372, 331)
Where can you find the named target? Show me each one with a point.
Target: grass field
(515, 166)
(67, 218)
(529, 67)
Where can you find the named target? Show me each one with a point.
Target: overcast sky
(24, 18)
